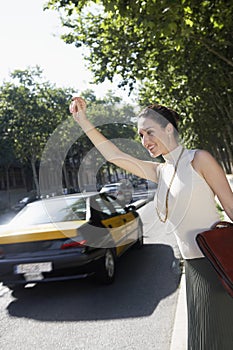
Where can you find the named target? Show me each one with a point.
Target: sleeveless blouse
(191, 202)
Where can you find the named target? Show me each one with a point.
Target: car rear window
(64, 209)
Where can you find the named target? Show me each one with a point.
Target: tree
(7, 155)
(180, 52)
(130, 37)
(32, 109)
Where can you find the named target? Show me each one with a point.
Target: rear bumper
(70, 265)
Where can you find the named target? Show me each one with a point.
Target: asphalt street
(137, 312)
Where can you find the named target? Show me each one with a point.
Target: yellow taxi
(67, 237)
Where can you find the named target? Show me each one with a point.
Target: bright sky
(30, 36)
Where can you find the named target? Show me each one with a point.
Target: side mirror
(130, 207)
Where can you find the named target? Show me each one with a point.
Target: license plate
(34, 268)
(33, 277)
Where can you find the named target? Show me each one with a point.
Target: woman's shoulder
(203, 161)
(202, 155)
(199, 154)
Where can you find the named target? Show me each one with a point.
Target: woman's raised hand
(78, 108)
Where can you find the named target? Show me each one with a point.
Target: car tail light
(74, 244)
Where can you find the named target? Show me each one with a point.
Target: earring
(169, 139)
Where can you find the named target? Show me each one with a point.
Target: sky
(30, 36)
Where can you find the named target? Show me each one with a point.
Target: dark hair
(166, 115)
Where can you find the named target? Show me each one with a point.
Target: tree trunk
(35, 177)
(65, 177)
(23, 177)
(8, 186)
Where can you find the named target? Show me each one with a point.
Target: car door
(131, 220)
(110, 219)
(123, 225)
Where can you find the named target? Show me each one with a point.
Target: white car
(123, 191)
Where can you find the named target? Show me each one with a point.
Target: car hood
(57, 230)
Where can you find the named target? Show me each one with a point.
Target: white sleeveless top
(191, 202)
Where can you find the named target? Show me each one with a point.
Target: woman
(188, 181)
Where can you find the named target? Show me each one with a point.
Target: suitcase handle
(221, 224)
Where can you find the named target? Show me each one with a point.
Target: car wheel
(107, 270)
(140, 240)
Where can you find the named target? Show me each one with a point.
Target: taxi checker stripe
(37, 236)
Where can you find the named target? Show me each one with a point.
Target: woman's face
(154, 137)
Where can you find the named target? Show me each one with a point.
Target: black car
(24, 201)
(67, 237)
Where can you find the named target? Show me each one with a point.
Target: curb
(179, 334)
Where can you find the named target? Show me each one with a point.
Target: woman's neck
(170, 148)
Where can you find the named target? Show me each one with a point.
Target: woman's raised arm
(140, 168)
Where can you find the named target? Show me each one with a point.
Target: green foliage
(179, 52)
(30, 111)
(131, 37)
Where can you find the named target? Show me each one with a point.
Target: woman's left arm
(209, 168)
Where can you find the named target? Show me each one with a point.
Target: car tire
(107, 270)
(140, 241)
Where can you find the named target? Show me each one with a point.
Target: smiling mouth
(150, 149)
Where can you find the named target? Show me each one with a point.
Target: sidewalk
(179, 335)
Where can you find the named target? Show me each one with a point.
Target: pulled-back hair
(163, 115)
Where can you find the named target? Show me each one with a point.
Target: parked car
(67, 237)
(122, 190)
(24, 201)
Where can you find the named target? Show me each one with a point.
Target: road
(136, 312)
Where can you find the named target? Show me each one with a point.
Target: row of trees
(30, 109)
(34, 117)
(179, 53)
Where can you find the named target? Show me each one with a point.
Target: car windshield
(52, 210)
